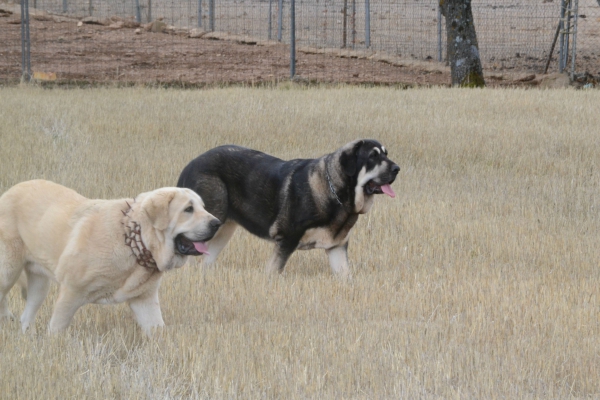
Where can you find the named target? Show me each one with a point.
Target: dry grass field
(481, 279)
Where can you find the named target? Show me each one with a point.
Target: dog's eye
(190, 209)
(373, 155)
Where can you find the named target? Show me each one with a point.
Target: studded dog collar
(133, 239)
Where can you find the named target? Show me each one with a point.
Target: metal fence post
(149, 10)
(199, 13)
(353, 23)
(575, 10)
(292, 38)
(138, 12)
(25, 42)
(567, 26)
(367, 23)
(279, 20)
(439, 31)
(64, 4)
(345, 24)
(270, 18)
(211, 15)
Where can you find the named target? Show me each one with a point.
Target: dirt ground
(66, 50)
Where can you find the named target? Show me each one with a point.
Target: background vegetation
(479, 280)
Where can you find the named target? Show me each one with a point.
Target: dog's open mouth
(373, 188)
(186, 247)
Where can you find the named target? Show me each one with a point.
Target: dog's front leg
(146, 310)
(283, 251)
(68, 302)
(338, 260)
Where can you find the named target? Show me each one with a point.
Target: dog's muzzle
(373, 187)
(188, 247)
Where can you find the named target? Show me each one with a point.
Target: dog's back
(241, 184)
(31, 207)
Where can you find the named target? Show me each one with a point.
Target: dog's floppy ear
(156, 207)
(349, 159)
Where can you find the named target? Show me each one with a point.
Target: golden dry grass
(480, 280)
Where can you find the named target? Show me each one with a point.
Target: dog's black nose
(395, 169)
(215, 224)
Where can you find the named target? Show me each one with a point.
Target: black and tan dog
(298, 204)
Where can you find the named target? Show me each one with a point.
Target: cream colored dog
(99, 251)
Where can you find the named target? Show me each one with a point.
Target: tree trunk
(462, 47)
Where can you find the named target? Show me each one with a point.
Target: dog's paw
(152, 332)
(26, 327)
(6, 316)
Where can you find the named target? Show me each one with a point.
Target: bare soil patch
(119, 51)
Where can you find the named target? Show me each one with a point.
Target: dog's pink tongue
(201, 247)
(387, 189)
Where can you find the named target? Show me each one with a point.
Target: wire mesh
(337, 40)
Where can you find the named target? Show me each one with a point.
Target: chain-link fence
(336, 40)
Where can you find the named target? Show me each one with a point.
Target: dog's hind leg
(283, 251)
(219, 241)
(37, 288)
(11, 266)
(338, 260)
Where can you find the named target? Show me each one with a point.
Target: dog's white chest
(319, 238)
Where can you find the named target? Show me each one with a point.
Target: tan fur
(53, 233)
